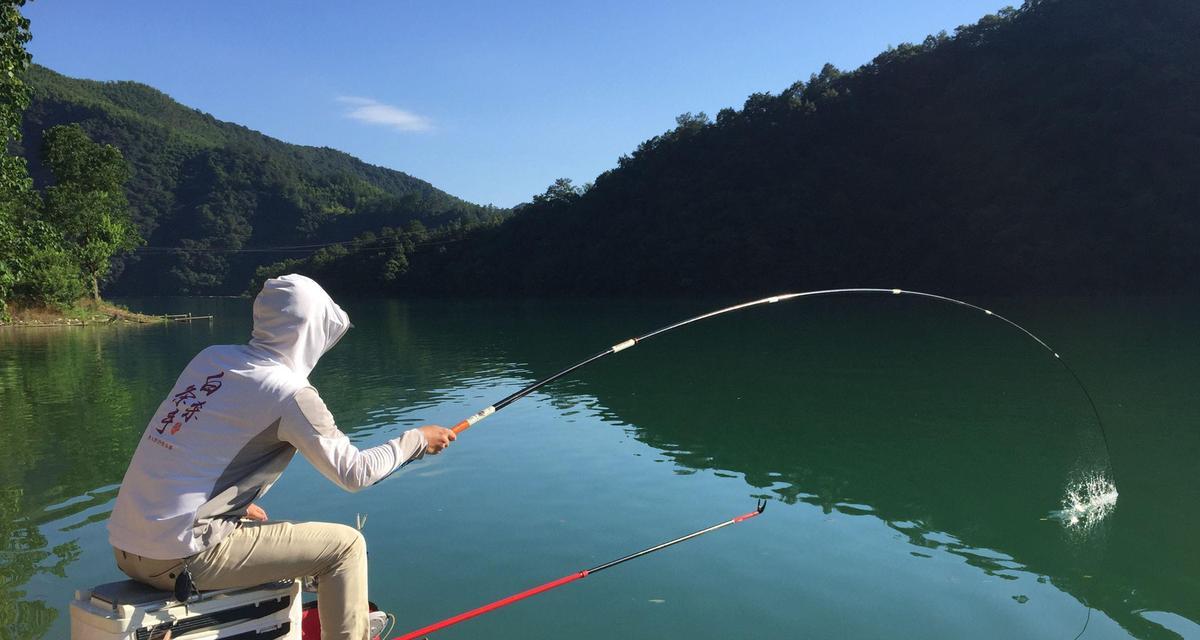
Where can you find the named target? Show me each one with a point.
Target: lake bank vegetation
(84, 312)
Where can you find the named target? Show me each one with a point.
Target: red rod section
(489, 607)
(747, 516)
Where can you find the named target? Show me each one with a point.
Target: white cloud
(375, 112)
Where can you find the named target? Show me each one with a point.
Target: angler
(185, 517)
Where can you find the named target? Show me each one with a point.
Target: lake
(915, 456)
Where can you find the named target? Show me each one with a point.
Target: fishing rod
(572, 577)
(621, 346)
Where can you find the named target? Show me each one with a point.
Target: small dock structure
(184, 317)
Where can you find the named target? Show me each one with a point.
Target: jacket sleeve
(307, 425)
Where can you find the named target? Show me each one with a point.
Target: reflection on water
(920, 449)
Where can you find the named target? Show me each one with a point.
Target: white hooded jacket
(232, 423)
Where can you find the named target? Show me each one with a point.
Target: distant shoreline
(84, 314)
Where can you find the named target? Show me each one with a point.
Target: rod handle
(466, 424)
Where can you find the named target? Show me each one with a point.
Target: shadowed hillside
(1043, 149)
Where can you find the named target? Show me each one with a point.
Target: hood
(296, 320)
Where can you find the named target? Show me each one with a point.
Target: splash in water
(1087, 502)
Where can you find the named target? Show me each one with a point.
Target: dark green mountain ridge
(1050, 148)
(212, 186)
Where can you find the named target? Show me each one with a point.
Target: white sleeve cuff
(410, 446)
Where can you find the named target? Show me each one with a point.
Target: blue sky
(488, 101)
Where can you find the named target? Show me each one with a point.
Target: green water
(913, 455)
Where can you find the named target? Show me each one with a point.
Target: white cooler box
(129, 610)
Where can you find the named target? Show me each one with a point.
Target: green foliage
(49, 271)
(87, 202)
(14, 178)
(14, 59)
(9, 239)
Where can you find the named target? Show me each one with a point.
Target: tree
(87, 202)
(563, 191)
(15, 186)
(14, 93)
(691, 122)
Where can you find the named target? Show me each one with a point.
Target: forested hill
(211, 187)
(1051, 148)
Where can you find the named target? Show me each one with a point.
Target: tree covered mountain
(215, 189)
(1050, 148)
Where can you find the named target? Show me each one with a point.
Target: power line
(300, 248)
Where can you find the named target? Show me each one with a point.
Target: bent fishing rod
(572, 577)
(621, 346)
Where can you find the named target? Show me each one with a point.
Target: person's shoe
(379, 622)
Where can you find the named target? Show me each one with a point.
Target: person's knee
(359, 545)
(351, 540)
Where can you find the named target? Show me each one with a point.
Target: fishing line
(621, 346)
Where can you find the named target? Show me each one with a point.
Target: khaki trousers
(259, 552)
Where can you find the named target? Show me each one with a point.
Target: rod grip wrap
(481, 415)
(624, 345)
